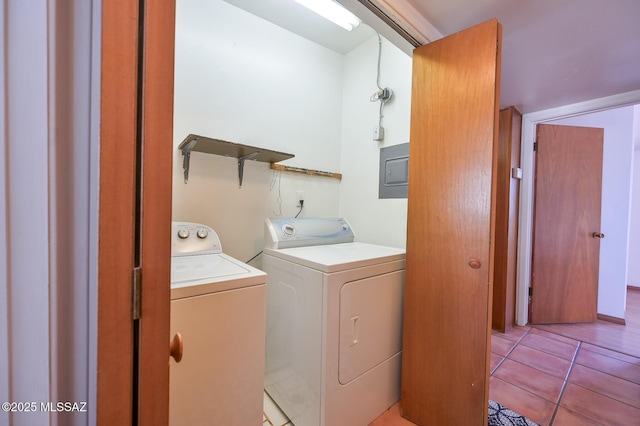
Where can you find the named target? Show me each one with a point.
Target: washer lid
(211, 273)
(204, 266)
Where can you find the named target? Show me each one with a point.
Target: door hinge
(535, 146)
(530, 291)
(136, 292)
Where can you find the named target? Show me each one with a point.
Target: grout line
(517, 343)
(573, 360)
(509, 352)
(267, 420)
(564, 383)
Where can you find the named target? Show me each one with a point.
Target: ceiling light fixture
(332, 11)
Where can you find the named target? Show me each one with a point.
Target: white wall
(633, 278)
(242, 79)
(616, 195)
(375, 221)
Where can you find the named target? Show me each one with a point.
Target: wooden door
(507, 190)
(450, 228)
(568, 197)
(135, 210)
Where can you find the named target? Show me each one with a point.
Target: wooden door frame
(525, 230)
(504, 280)
(116, 212)
(157, 147)
(120, 89)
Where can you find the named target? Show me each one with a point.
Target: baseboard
(614, 320)
(633, 287)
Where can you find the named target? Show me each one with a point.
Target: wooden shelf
(228, 149)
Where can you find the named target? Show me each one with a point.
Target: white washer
(334, 322)
(218, 304)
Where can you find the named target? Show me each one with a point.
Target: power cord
(298, 214)
(383, 95)
(300, 211)
(254, 257)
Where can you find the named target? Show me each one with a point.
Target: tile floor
(549, 378)
(555, 380)
(272, 415)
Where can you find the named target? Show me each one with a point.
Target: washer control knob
(202, 233)
(183, 233)
(288, 229)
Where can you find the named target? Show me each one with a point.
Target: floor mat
(500, 415)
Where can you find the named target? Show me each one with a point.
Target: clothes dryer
(334, 322)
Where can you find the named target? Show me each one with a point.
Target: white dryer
(334, 322)
(218, 305)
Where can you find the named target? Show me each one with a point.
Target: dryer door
(370, 323)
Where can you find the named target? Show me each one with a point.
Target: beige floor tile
(606, 384)
(612, 354)
(565, 417)
(551, 346)
(273, 412)
(542, 361)
(392, 417)
(554, 336)
(501, 346)
(514, 334)
(494, 362)
(598, 407)
(521, 401)
(530, 379)
(609, 365)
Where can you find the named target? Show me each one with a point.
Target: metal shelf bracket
(186, 156)
(241, 161)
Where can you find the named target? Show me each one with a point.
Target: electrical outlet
(378, 133)
(300, 196)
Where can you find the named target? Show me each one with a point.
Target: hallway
(567, 374)
(571, 373)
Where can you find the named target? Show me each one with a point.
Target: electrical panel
(394, 171)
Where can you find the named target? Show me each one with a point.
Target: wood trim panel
(609, 318)
(504, 282)
(451, 226)
(157, 141)
(116, 211)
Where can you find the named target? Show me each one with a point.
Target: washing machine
(218, 305)
(334, 322)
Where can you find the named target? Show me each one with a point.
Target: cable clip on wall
(310, 172)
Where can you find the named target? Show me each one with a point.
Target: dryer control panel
(193, 238)
(301, 232)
